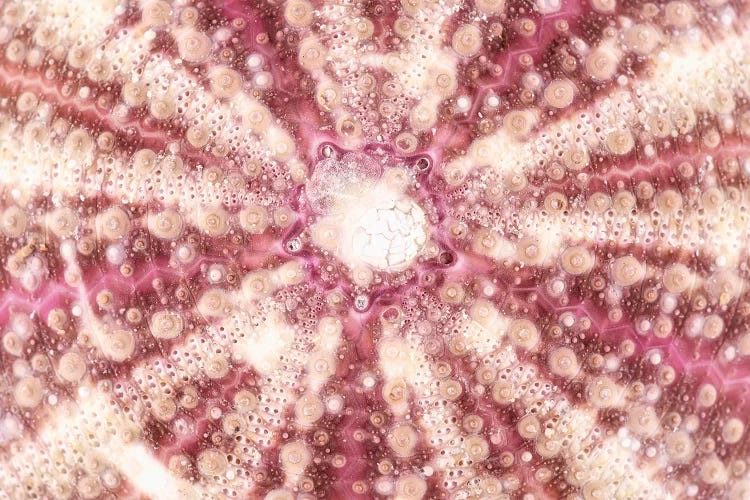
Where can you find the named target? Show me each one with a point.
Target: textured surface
(491, 249)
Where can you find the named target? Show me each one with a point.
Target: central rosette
(367, 218)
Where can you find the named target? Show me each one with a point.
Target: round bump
(523, 334)
(164, 409)
(452, 293)
(677, 278)
(576, 158)
(642, 39)
(98, 70)
(662, 327)
(503, 392)
(35, 133)
(225, 82)
(602, 63)
(476, 448)
(707, 395)
(45, 36)
(57, 319)
(144, 161)
(78, 144)
(193, 46)
(364, 29)
(627, 271)
(604, 6)
(603, 392)
(450, 389)
(312, 54)
(713, 326)
(518, 123)
(213, 303)
(620, 142)
(712, 199)
(166, 325)
(563, 362)
(473, 424)
(406, 143)
(233, 423)
(166, 225)
(669, 201)
(89, 487)
(257, 118)
(298, 13)
(361, 275)
(467, 40)
(599, 203)
(216, 367)
(156, 13)
(71, 367)
(723, 102)
(106, 141)
(256, 285)
(213, 221)
(13, 222)
(402, 439)
(623, 202)
(743, 344)
(446, 83)
(283, 217)
(291, 273)
(528, 427)
(295, 457)
(113, 223)
(212, 463)
(254, 219)
(173, 166)
(118, 346)
(12, 344)
(422, 117)
(328, 96)
(555, 202)
(245, 401)
(281, 145)
(484, 313)
(162, 108)
(27, 102)
(455, 173)
(490, 7)
(78, 56)
(548, 448)
(197, 136)
(321, 366)
(642, 420)
(308, 409)
(645, 190)
(134, 94)
(713, 471)
(679, 14)
(732, 430)
(410, 486)
(28, 392)
(576, 260)
(560, 93)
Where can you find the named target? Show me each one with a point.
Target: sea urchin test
(408, 249)
(366, 219)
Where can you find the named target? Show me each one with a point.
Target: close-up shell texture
(375, 249)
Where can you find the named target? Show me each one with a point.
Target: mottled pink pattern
(482, 249)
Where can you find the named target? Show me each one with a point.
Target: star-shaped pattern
(481, 249)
